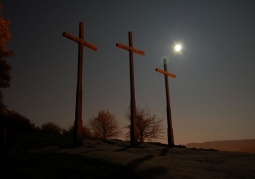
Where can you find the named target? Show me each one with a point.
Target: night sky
(212, 97)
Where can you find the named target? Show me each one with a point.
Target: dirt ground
(159, 161)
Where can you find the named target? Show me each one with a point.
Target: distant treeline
(245, 145)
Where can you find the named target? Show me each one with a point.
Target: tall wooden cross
(170, 133)
(77, 138)
(133, 128)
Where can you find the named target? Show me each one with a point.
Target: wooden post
(133, 129)
(77, 138)
(170, 134)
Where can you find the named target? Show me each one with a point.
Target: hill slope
(246, 145)
(159, 161)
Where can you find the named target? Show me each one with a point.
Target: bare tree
(149, 127)
(104, 125)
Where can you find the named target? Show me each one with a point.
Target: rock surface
(158, 161)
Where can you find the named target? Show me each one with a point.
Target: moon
(178, 48)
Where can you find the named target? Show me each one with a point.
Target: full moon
(177, 48)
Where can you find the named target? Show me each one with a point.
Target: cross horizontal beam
(76, 39)
(130, 48)
(165, 73)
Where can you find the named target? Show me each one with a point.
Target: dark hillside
(246, 145)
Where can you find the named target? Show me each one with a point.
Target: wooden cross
(170, 134)
(78, 108)
(133, 129)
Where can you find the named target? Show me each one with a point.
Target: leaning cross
(133, 129)
(170, 134)
(78, 109)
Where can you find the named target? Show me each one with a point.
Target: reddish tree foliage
(5, 36)
(5, 67)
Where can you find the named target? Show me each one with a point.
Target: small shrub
(51, 128)
(86, 133)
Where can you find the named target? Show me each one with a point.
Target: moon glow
(177, 48)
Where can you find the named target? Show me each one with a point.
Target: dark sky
(212, 98)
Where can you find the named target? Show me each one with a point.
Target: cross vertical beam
(133, 127)
(170, 134)
(133, 133)
(78, 106)
(77, 137)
